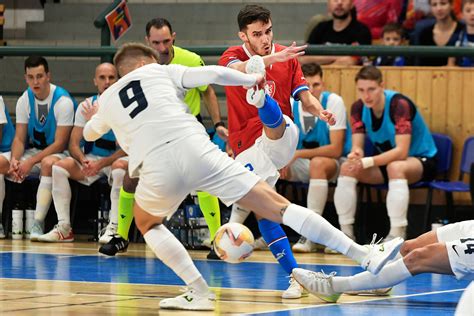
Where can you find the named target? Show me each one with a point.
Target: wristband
(220, 123)
(367, 162)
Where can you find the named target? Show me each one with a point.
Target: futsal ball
(233, 242)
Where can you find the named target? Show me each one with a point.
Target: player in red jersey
(264, 138)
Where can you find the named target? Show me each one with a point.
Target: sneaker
(260, 244)
(256, 97)
(107, 233)
(304, 246)
(36, 230)
(116, 244)
(317, 283)
(376, 292)
(189, 300)
(60, 233)
(380, 253)
(295, 290)
(255, 65)
(2, 232)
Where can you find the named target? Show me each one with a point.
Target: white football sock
(317, 195)
(318, 230)
(238, 214)
(390, 275)
(169, 250)
(62, 195)
(398, 198)
(43, 198)
(117, 180)
(345, 200)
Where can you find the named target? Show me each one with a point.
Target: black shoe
(213, 255)
(116, 244)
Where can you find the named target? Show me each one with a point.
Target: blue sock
(270, 113)
(278, 244)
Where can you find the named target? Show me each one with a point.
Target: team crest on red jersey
(270, 87)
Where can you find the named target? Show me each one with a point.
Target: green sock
(125, 212)
(209, 206)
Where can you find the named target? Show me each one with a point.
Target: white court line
(358, 302)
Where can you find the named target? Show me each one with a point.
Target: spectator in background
(7, 131)
(342, 29)
(320, 147)
(376, 13)
(392, 35)
(44, 120)
(444, 32)
(466, 36)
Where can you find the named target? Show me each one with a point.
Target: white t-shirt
(147, 115)
(79, 119)
(3, 117)
(63, 110)
(335, 104)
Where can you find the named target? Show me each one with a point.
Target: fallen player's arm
(200, 76)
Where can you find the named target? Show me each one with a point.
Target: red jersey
(283, 80)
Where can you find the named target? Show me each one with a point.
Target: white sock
(62, 195)
(169, 250)
(2, 194)
(398, 198)
(398, 231)
(345, 200)
(117, 180)
(238, 214)
(390, 275)
(43, 198)
(318, 230)
(348, 230)
(317, 195)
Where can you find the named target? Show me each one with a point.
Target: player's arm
(18, 144)
(288, 53)
(199, 76)
(312, 105)
(212, 105)
(95, 128)
(107, 161)
(75, 144)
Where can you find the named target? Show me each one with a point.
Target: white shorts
(107, 171)
(30, 152)
(267, 156)
(300, 170)
(466, 303)
(459, 239)
(169, 173)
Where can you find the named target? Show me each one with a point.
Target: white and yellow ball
(233, 242)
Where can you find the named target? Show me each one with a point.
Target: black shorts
(429, 169)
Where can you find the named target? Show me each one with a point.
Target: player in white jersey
(172, 155)
(87, 164)
(447, 250)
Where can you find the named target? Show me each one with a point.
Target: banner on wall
(119, 20)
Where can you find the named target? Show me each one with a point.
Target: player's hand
(89, 109)
(24, 169)
(91, 168)
(356, 154)
(290, 52)
(328, 117)
(259, 81)
(222, 132)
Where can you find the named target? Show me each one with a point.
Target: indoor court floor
(73, 279)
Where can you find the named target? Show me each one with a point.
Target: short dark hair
(464, 2)
(369, 73)
(158, 23)
(393, 27)
(36, 61)
(251, 13)
(312, 69)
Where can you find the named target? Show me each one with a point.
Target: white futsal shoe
(304, 245)
(190, 300)
(36, 230)
(255, 65)
(317, 283)
(295, 290)
(380, 253)
(374, 292)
